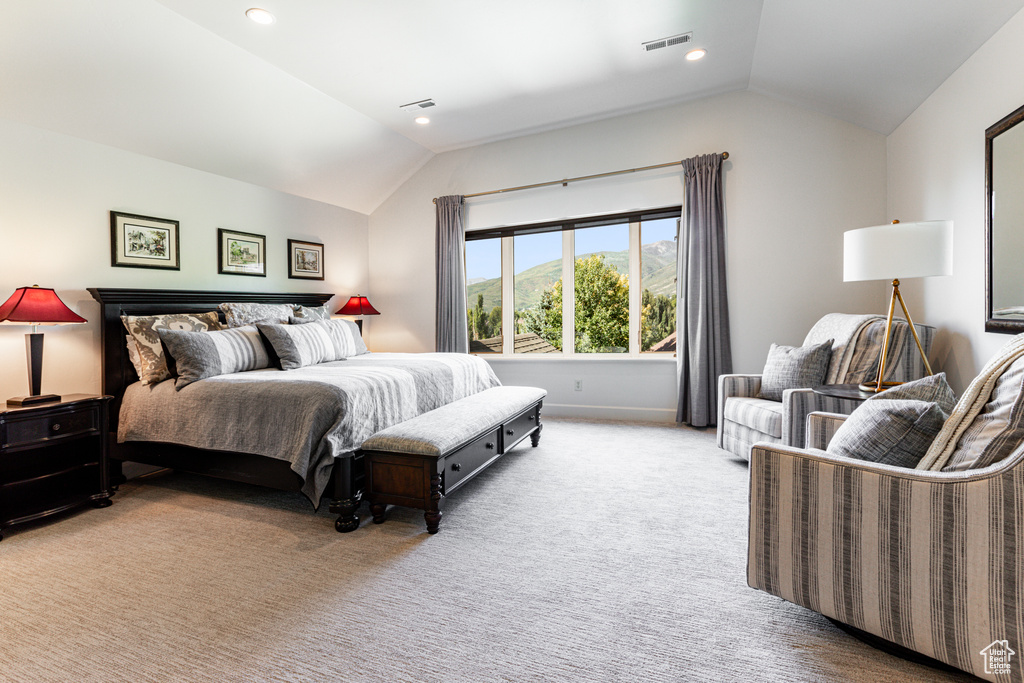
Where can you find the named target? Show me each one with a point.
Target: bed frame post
(348, 495)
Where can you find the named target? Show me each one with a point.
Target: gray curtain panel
(452, 332)
(703, 351)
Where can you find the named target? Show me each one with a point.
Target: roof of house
(524, 343)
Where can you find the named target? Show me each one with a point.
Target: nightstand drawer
(40, 428)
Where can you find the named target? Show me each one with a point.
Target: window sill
(579, 357)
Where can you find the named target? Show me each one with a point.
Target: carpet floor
(613, 552)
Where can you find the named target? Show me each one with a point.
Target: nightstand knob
(456, 467)
(489, 445)
(56, 426)
(510, 432)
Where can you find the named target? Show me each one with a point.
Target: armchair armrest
(821, 427)
(734, 385)
(799, 403)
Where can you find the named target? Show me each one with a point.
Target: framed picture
(305, 260)
(143, 242)
(241, 253)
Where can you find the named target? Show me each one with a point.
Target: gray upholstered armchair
(931, 558)
(745, 419)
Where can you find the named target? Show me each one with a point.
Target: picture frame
(305, 260)
(241, 253)
(143, 242)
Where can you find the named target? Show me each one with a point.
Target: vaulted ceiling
(310, 104)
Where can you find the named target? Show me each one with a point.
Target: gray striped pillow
(198, 355)
(998, 430)
(318, 342)
(893, 432)
(794, 367)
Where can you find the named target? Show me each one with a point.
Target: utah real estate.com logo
(997, 657)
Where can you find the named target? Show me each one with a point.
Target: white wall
(936, 170)
(56, 193)
(795, 181)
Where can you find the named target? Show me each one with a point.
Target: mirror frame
(991, 323)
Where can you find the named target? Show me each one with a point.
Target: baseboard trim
(610, 412)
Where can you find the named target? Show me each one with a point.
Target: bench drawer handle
(510, 432)
(489, 446)
(56, 426)
(456, 467)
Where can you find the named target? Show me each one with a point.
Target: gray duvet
(306, 416)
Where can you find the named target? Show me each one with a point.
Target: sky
(483, 257)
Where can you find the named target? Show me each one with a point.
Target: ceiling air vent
(418, 106)
(681, 39)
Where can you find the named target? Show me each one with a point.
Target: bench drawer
(515, 429)
(470, 458)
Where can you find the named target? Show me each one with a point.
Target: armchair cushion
(791, 367)
(756, 413)
(893, 432)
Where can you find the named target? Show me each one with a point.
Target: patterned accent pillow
(143, 329)
(931, 389)
(320, 342)
(794, 367)
(892, 431)
(198, 355)
(998, 430)
(312, 313)
(242, 314)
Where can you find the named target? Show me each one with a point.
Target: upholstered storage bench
(420, 461)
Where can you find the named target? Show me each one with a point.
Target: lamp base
(874, 388)
(20, 401)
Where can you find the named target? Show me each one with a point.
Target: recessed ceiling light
(422, 120)
(260, 16)
(694, 55)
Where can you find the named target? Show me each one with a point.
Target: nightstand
(53, 457)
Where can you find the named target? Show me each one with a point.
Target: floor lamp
(883, 252)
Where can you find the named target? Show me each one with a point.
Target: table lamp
(883, 252)
(36, 306)
(358, 305)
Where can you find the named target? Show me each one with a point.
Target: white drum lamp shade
(900, 250)
(891, 252)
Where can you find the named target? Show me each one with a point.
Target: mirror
(1004, 225)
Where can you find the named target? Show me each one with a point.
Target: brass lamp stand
(880, 385)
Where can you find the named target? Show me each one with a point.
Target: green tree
(657, 318)
(602, 309)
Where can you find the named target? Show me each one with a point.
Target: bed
(327, 409)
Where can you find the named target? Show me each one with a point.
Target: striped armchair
(930, 560)
(745, 419)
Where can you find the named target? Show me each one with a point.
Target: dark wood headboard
(118, 372)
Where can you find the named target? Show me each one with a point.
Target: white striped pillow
(317, 342)
(198, 355)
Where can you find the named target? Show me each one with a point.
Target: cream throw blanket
(845, 329)
(970, 405)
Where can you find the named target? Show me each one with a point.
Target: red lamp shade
(37, 305)
(358, 305)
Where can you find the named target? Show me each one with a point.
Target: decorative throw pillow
(319, 342)
(241, 314)
(311, 313)
(198, 355)
(794, 367)
(890, 431)
(932, 389)
(998, 430)
(143, 329)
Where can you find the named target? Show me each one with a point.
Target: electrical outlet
(578, 385)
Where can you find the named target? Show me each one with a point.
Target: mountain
(657, 272)
(474, 280)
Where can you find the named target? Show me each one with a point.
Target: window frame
(568, 228)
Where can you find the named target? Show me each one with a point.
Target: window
(622, 299)
(483, 303)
